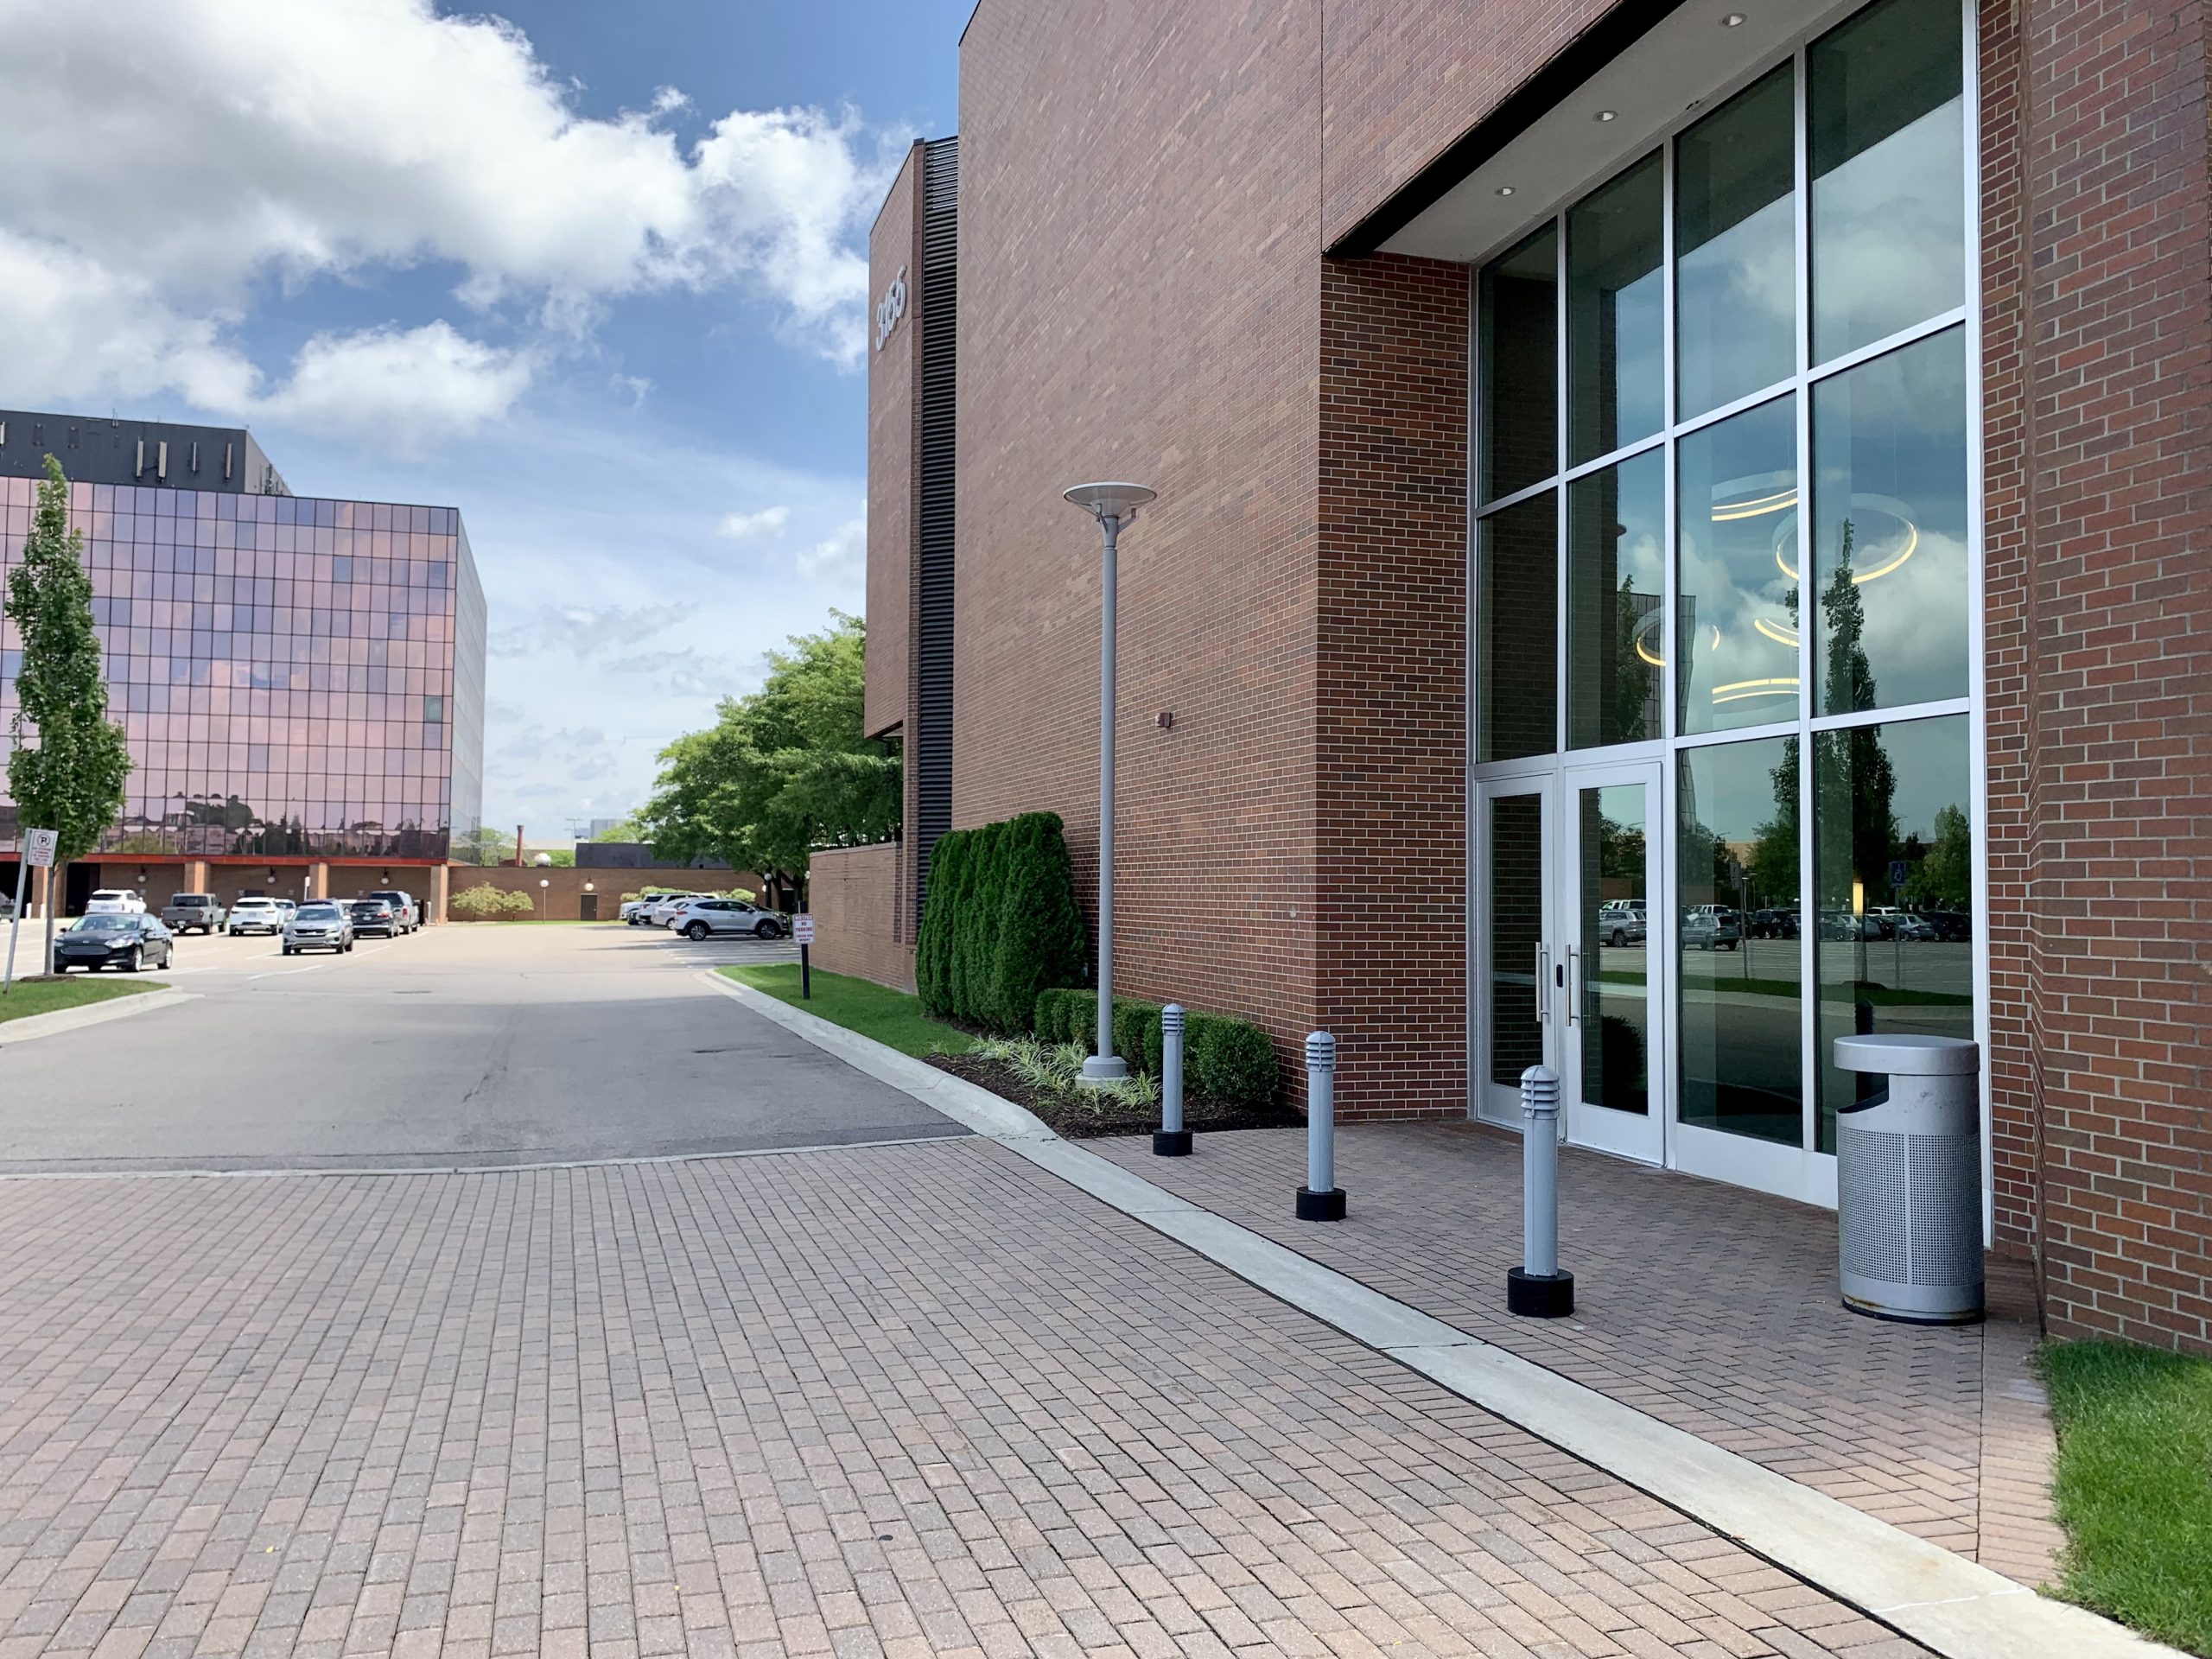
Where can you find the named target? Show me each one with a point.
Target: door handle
(1573, 981)
(1543, 984)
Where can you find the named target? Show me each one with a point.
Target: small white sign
(38, 847)
(802, 929)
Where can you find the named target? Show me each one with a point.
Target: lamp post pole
(1114, 506)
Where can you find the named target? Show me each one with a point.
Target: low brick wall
(855, 896)
(562, 900)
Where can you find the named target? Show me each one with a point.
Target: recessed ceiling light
(1504, 189)
(1733, 20)
(1608, 115)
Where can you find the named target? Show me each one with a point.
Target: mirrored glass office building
(301, 679)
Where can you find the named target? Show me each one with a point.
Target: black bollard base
(1320, 1206)
(1536, 1296)
(1171, 1143)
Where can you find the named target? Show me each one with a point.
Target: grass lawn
(2133, 1485)
(891, 1017)
(30, 997)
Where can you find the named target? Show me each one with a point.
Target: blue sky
(594, 273)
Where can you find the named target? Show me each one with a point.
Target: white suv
(701, 917)
(115, 901)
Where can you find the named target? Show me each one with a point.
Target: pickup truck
(192, 912)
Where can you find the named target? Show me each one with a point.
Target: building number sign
(890, 308)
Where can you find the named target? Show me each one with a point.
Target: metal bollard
(1537, 1287)
(1173, 1139)
(1320, 1199)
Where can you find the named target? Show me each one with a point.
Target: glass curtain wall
(1752, 494)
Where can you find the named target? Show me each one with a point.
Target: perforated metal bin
(1908, 1180)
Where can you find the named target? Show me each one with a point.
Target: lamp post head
(1118, 502)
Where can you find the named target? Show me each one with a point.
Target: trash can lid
(1905, 1054)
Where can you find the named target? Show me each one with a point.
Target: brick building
(1681, 534)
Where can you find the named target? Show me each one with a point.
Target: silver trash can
(1908, 1180)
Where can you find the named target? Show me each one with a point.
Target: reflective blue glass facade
(295, 675)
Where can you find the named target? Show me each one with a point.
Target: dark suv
(402, 905)
(374, 916)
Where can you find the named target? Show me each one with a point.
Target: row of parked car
(1719, 927)
(699, 915)
(117, 929)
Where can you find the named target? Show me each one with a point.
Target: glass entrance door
(1612, 1067)
(1518, 974)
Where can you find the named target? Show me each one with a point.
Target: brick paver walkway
(1710, 1307)
(922, 1400)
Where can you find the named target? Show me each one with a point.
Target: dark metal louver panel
(929, 749)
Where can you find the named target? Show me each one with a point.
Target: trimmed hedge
(1000, 924)
(1231, 1061)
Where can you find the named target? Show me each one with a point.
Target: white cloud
(401, 388)
(842, 556)
(739, 527)
(234, 141)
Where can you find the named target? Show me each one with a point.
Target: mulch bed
(1093, 1118)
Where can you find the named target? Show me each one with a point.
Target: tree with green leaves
(783, 770)
(69, 760)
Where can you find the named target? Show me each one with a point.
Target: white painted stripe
(1951, 1604)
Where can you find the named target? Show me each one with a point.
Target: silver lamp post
(1114, 506)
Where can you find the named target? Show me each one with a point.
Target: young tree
(69, 776)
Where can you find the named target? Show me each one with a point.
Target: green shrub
(1037, 937)
(975, 932)
(1136, 1033)
(940, 910)
(483, 902)
(1049, 1021)
(1230, 1061)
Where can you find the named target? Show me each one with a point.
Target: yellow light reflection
(1911, 546)
(1756, 506)
(1740, 690)
(1775, 632)
(1644, 651)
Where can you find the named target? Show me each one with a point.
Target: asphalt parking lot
(467, 1046)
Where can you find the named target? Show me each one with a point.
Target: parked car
(1906, 925)
(1952, 926)
(375, 916)
(1621, 922)
(115, 901)
(662, 913)
(1842, 924)
(1712, 927)
(255, 915)
(289, 906)
(1775, 922)
(633, 910)
(701, 917)
(192, 912)
(403, 906)
(321, 925)
(115, 939)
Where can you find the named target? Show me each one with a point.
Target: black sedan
(126, 942)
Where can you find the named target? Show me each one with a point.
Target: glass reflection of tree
(1774, 850)
(1944, 879)
(1634, 714)
(1856, 769)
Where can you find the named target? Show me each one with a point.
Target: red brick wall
(893, 424)
(857, 897)
(1390, 718)
(1140, 299)
(2100, 684)
(1401, 83)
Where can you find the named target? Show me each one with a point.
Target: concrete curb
(1950, 1605)
(121, 1007)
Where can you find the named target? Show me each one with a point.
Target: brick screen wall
(1390, 714)
(1140, 299)
(2098, 267)
(858, 895)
